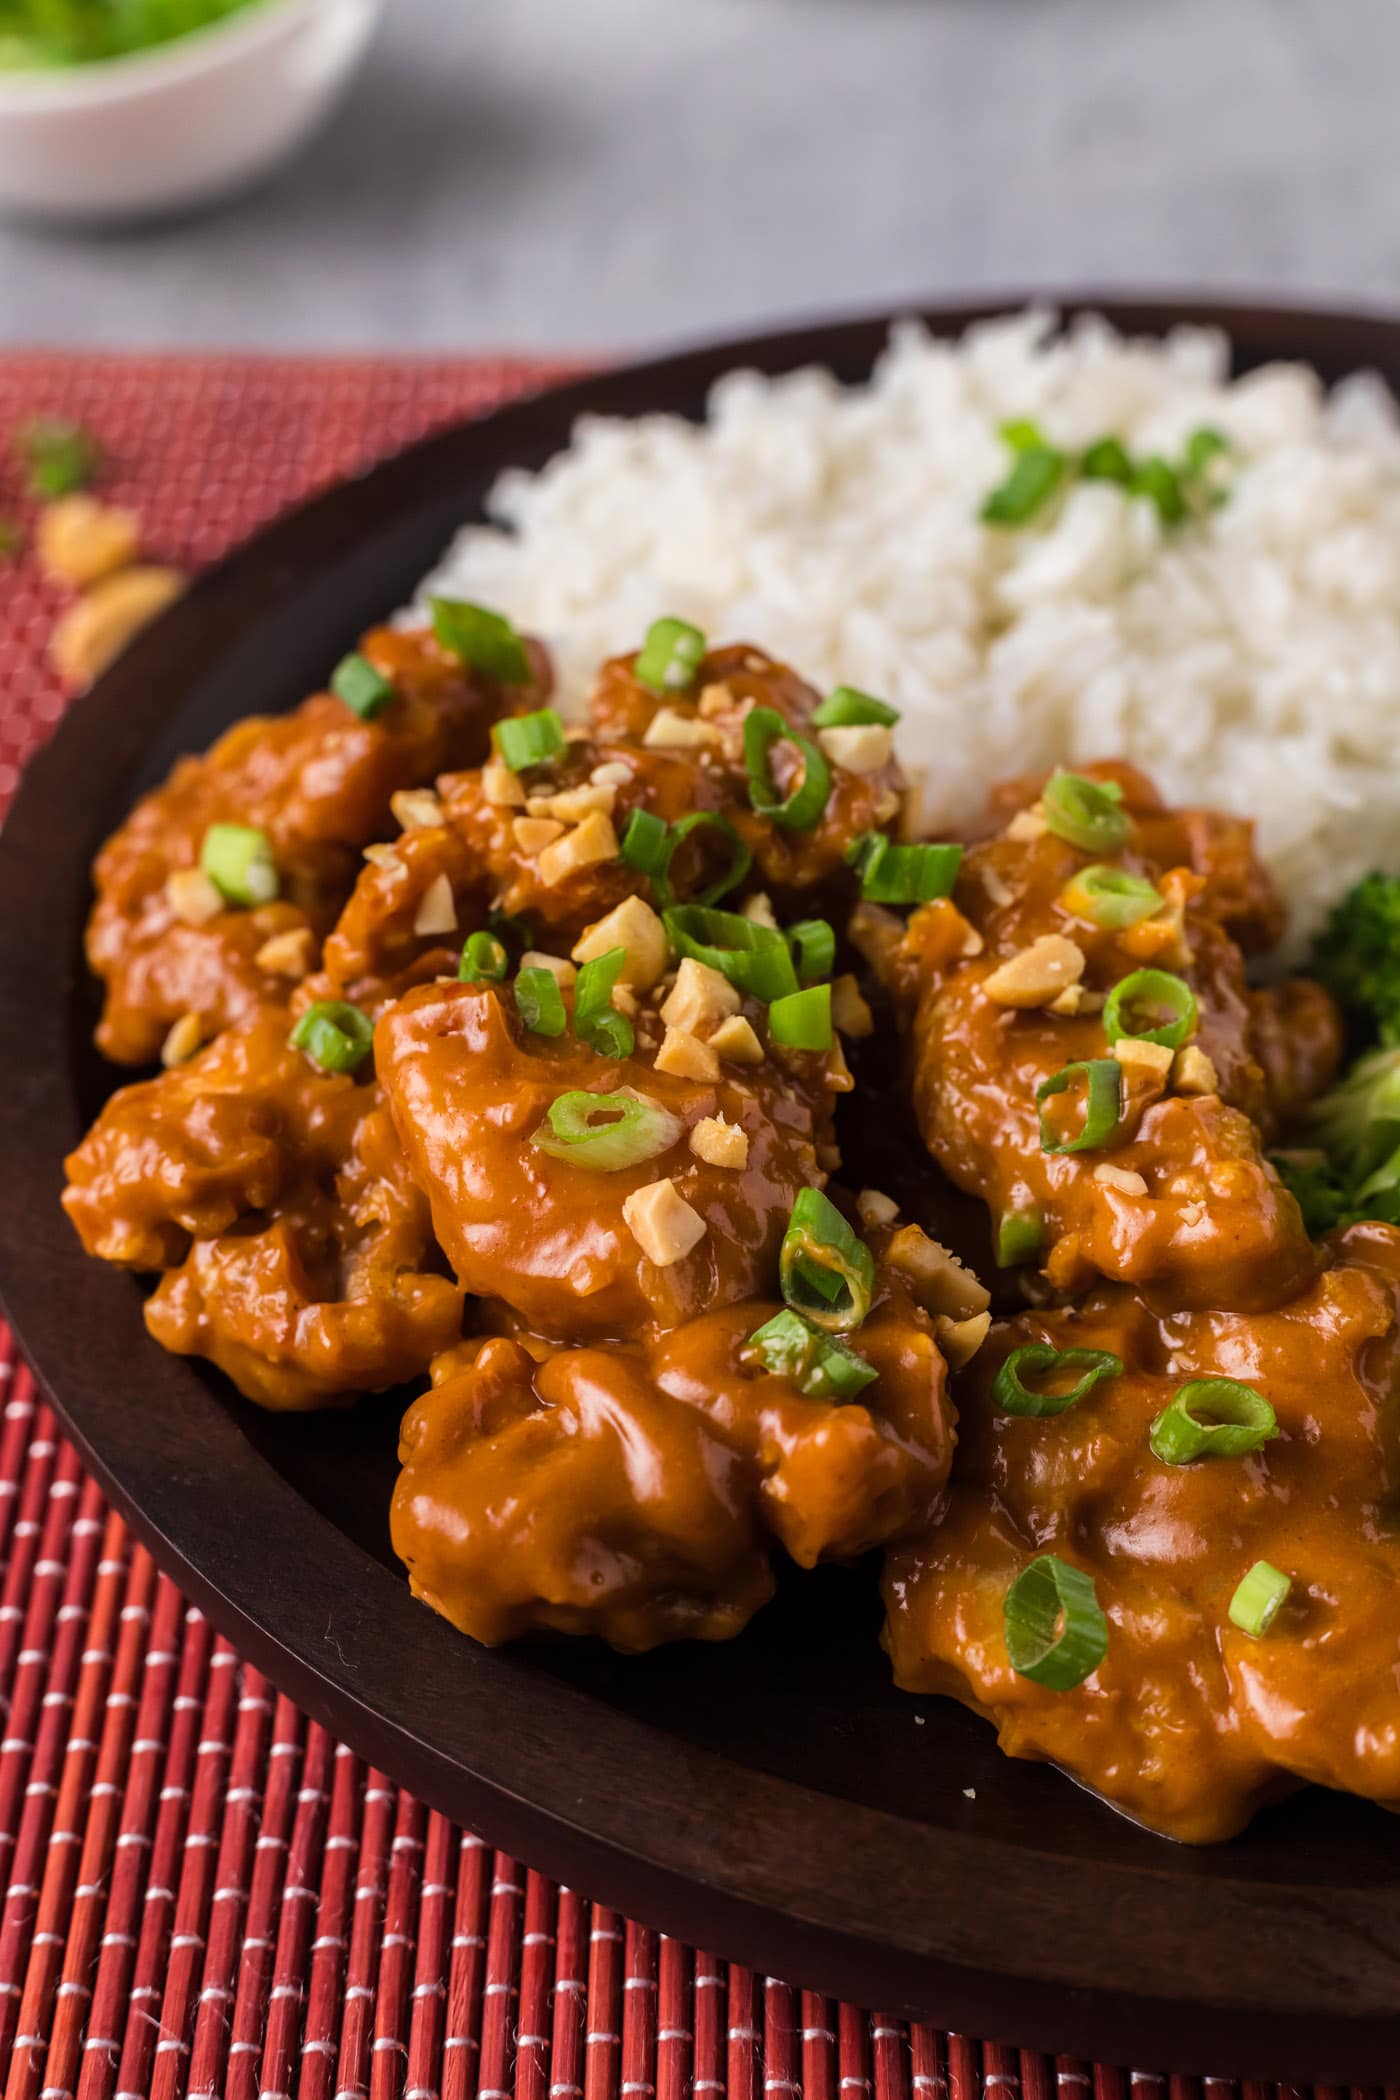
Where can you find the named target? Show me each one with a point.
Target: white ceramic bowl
(182, 123)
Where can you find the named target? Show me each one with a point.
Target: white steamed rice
(1251, 661)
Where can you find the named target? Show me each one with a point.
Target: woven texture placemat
(204, 1893)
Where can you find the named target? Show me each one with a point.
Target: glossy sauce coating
(470, 1087)
(318, 782)
(298, 1252)
(639, 1492)
(1201, 1218)
(1188, 1724)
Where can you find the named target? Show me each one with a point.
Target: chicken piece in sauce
(637, 1492)
(318, 783)
(298, 1252)
(472, 1088)
(1006, 989)
(1189, 1723)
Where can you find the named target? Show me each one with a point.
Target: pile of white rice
(1251, 660)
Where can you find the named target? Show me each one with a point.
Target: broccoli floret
(1357, 1123)
(1357, 956)
(1353, 1170)
(1322, 1195)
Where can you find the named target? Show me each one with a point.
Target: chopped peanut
(80, 539)
(722, 1144)
(735, 1040)
(662, 1223)
(1076, 999)
(960, 1340)
(1194, 1072)
(287, 954)
(715, 700)
(185, 1037)
(1142, 1060)
(632, 925)
(944, 1285)
(533, 834)
(415, 809)
(701, 999)
(562, 972)
(997, 887)
(500, 786)
(437, 909)
(669, 730)
(591, 841)
(759, 911)
(95, 631)
(686, 1057)
(1037, 974)
(849, 1009)
(862, 747)
(193, 896)
(1028, 824)
(381, 855)
(972, 942)
(572, 805)
(612, 773)
(1124, 1179)
(874, 1207)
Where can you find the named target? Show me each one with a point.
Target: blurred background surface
(631, 172)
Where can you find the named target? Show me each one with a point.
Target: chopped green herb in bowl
(44, 33)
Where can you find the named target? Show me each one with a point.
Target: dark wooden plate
(774, 1799)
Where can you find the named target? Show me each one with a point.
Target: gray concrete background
(632, 172)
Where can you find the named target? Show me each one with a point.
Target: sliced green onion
(819, 1365)
(1202, 447)
(1259, 1599)
(646, 843)
(539, 1002)
(530, 740)
(670, 656)
(238, 861)
(484, 959)
(1056, 1633)
(58, 456)
(335, 1035)
(1212, 1418)
(650, 846)
(891, 874)
(483, 639)
(1110, 897)
(753, 957)
(597, 1021)
(363, 689)
(849, 708)
(1103, 1104)
(606, 1131)
(826, 1270)
(1035, 475)
(1086, 813)
(1022, 435)
(1107, 460)
(802, 1020)
(1020, 1235)
(813, 945)
(1157, 479)
(1014, 1397)
(705, 823)
(802, 808)
(1151, 992)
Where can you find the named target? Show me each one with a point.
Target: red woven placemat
(204, 1894)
